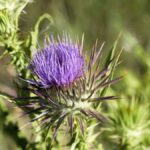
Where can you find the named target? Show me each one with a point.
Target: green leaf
(35, 33)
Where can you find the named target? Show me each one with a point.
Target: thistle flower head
(58, 64)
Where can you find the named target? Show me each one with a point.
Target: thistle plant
(9, 40)
(67, 86)
(129, 124)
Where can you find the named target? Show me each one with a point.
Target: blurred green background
(102, 19)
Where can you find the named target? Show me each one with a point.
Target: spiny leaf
(103, 98)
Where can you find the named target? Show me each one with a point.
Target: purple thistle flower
(61, 64)
(58, 64)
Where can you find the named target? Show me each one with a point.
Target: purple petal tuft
(58, 64)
